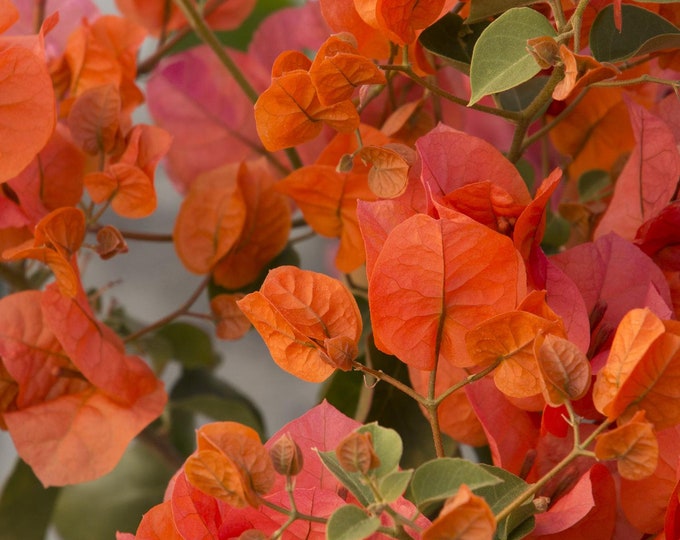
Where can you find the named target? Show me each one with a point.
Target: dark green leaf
(483, 9)
(452, 39)
(500, 60)
(438, 479)
(96, 510)
(25, 505)
(557, 231)
(521, 96)
(190, 345)
(500, 495)
(642, 32)
(200, 392)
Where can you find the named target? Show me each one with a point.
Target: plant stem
(382, 376)
(406, 70)
(529, 113)
(182, 310)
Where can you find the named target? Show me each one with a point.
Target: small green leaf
(439, 479)
(520, 97)
(388, 447)
(190, 345)
(500, 60)
(351, 523)
(25, 505)
(394, 485)
(483, 9)
(642, 32)
(520, 522)
(352, 481)
(450, 38)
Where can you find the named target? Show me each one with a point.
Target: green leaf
(25, 505)
(388, 447)
(190, 345)
(642, 32)
(439, 479)
(452, 39)
(483, 9)
(557, 231)
(394, 485)
(500, 60)
(96, 510)
(594, 185)
(351, 523)
(521, 96)
(498, 496)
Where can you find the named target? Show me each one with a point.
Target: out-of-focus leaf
(483, 9)
(135, 485)
(642, 32)
(190, 345)
(500, 59)
(25, 505)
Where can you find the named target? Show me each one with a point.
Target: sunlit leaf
(500, 59)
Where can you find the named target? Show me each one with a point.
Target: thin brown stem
(182, 310)
(39, 14)
(382, 376)
(406, 70)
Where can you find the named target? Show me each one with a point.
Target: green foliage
(594, 185)
(500, 60)
(115, 502)
(452, 39)
(642, 32)
(483, 9)
(351, 523)
(189, 345)
(25, 505)
(438, 479)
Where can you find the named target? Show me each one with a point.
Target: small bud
(339, 352)
(355, 453)
(545, 51)
(110, 242)
(346, 163)
(286, 456)
(541, 504)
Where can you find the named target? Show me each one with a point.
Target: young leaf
(500, 59)
(350, 522)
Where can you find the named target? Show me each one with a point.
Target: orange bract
(338, 69)
(564, 370)
(230, 321)
(465, 516)
(289, 112)
(28, 110)
(390, 165)
(93, 119)
(300, 314)
(633, 445)
(210, 219)
(230, 464)
(400, 21)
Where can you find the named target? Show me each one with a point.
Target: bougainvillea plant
(496, 329)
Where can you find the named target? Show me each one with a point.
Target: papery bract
(429, 285)
(464, 516)
(230, 322)
(210, 219)
(296, 312)
(564, 370)
(648, 181)
(633, 445)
